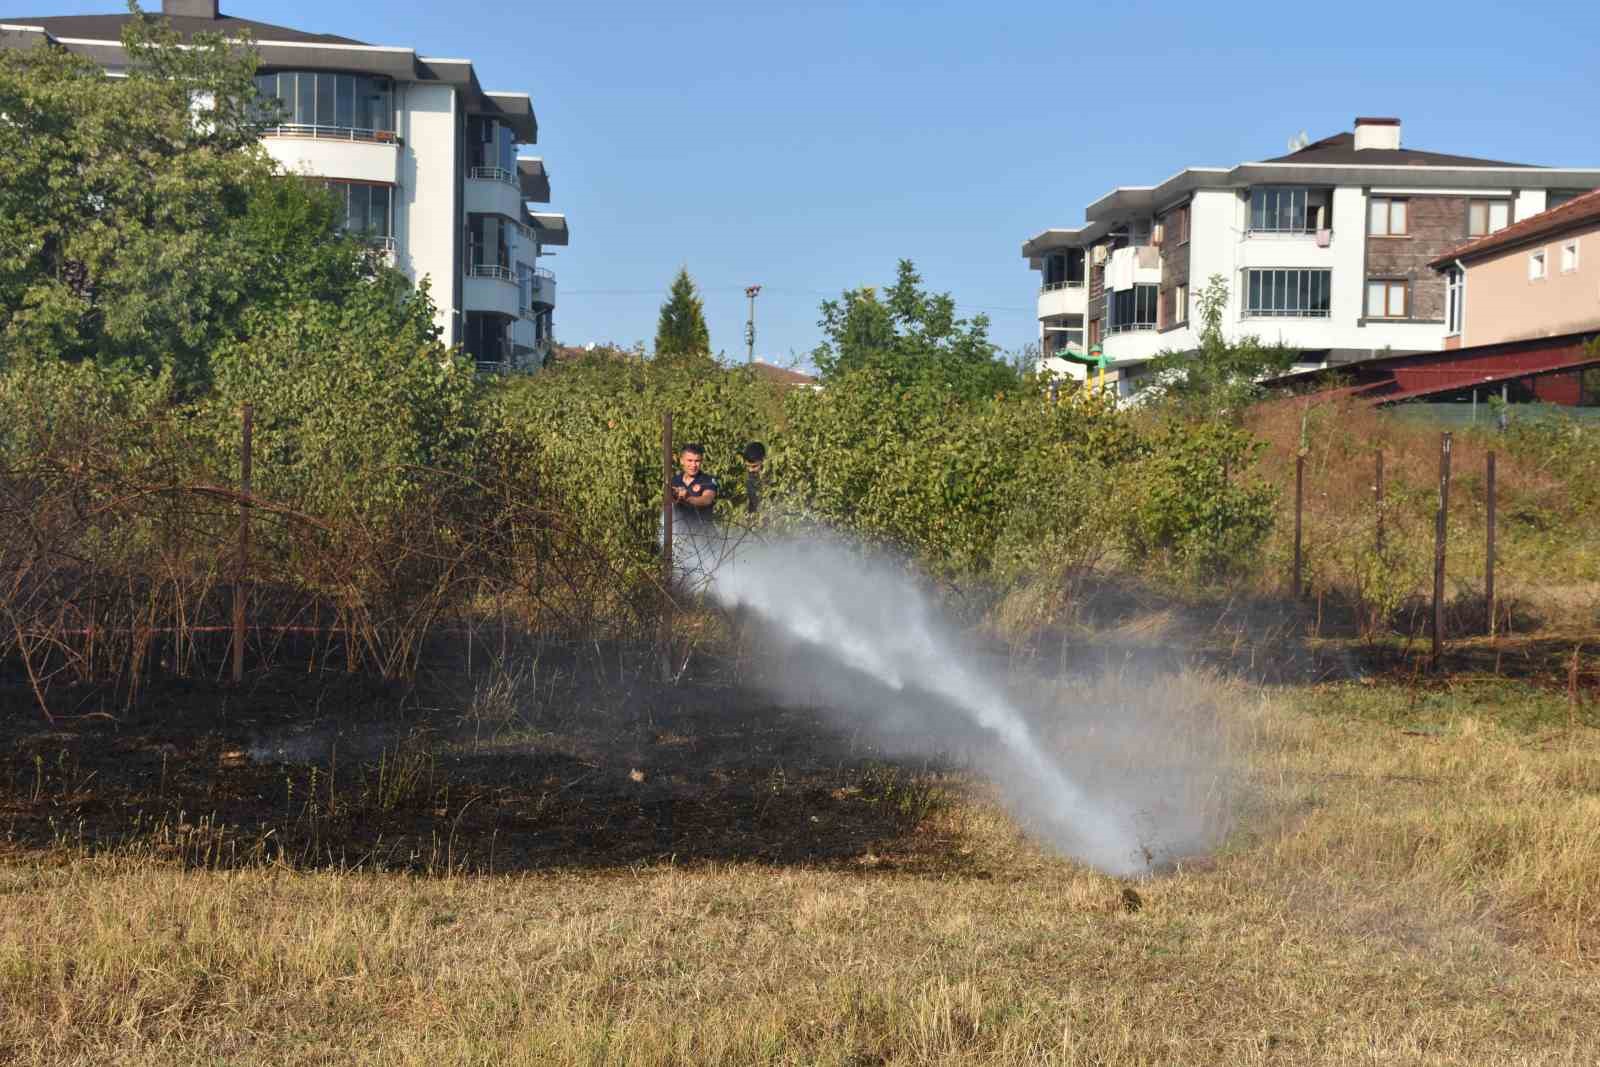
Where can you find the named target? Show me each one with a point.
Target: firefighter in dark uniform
(693, 491)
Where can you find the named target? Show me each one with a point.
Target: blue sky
(808, 147)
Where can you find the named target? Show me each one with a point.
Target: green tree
(1220, 376)
(141, 231)
(681, 333)
(911, 336)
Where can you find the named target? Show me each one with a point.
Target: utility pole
(750, 325)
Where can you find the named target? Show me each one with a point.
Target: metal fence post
(665, 635)
(1440, 529)
(247, 420)
(1488, 563)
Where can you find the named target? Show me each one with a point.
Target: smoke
(1120, 785)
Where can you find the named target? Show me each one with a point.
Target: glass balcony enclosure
(1064, 270)
(1132, 309)
(323, 104)
(1290, 209)
(489, 242)
(491, 149)
(368, 209)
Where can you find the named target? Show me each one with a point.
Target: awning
(535, 180)
(552, 228)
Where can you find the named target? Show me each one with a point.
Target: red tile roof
(782, 375)
(1578, 211)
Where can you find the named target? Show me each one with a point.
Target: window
(1064, 270)
(1287, 293)
(491, 144)
(486, 339)
(1064, 333)
(1275, 209)
(1569, 256)
(1180, 306)
(1386, 299)
(1536, 266)
(367, 209)
(1487, 216)
(1387, 217)
(1556, 197)
(1175, 226)
(1133, 309)
(315, 101)
(1455, 295)
(489, 246)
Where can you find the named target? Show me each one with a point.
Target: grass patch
(1420, 897)
(1513, 705)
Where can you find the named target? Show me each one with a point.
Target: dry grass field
(1410, 878)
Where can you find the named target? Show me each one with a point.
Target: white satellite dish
(1299, 141)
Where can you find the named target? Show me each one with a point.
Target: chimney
(1377, 133)
(194, 9)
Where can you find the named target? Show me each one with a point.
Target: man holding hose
(693, 491)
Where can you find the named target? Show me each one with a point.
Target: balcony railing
(1286, 313)
(1129, 327)
(1050, 287)
(492, 174)
(332, 133)
(491, 270)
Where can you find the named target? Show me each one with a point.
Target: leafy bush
(1192, 503)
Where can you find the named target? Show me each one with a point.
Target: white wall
(360, 161)
(1528, 202)
(430, 226)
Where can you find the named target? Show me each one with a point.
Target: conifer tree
(681, 332)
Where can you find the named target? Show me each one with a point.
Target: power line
(773, 289)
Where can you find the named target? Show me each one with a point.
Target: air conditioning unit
(1324, 238)
(1099, 253)
(1158, 234)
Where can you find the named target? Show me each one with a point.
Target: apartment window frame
(1390, 287)
(1294, 210)
(1175, 226)
(479, 264)
(1569, 255)
(1487, 206)
(1392, 209)
(1538, 265)
(1287, 293)
(1140, 303)
(1058, 270)
(491, 150)
(1455, 301)
(340, 105)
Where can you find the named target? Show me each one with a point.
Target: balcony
(541, 291)
(493, 191)
(336, 152)
(492, 288)
(1063, 298)
(1133, 265)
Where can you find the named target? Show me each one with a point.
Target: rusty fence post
(1299, 512)
(247, 420)
(1488, 559)
(664, 638)
(1440, 530)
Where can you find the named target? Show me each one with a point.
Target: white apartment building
(429, 163)
(1324, 250)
